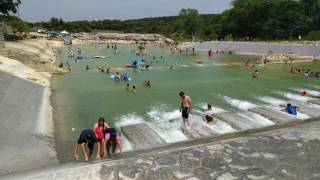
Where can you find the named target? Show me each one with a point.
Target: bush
(312, 36)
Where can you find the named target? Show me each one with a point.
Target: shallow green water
(83, 96)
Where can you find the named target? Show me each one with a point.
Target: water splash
(272, 100)
(296, 97)
(243, 105)
(256, 118)
(129, 119)
(169, 131)
(310, 91)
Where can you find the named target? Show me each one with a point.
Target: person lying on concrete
(290, 109)
(87, 138)
(112, 140)
(99, 128)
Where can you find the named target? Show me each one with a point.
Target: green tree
(17, 25)
(189, 22)
(312, 9)
(7, 6)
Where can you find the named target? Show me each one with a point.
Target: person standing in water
(128, 87)
(134, 89)
(255, 74)
(185, 108)
(87, 138)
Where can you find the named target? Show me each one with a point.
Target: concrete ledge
(247, 155)
(142, 136)
(273, 115)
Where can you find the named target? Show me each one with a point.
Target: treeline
(247, 19)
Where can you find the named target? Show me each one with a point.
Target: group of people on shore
(103, 136)
(306, 73)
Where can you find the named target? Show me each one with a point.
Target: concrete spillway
(314, 101)
(236, 121)
(142, 136)
(273, 115)
(198, 128)
(22, 147)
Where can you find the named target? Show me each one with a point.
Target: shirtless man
(185, 108)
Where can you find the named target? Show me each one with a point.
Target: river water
(82, 96)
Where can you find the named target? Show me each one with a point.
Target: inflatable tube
(199, 62)
(113, 77)
(141, 63)
(79, 57)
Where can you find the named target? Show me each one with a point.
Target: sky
(69, 10)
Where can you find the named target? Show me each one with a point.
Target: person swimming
(304, 93)
(134, 89)
(128, 87)
(255, 74)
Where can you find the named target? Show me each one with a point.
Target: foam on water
(243, 105)
(129, 119)
(168, 131)
(256, 118)
(272, 100)
(126, 144)
(203, 107)
(296, 97)
(310, 91)
(302, 116)
(276, 106)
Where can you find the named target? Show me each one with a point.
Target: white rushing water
(278, 104)
(242, 105)
(296, 97)
(256, 118)
(272, 100)
(124, 120)
(310, 91)
(160, 121)
(129, 119)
